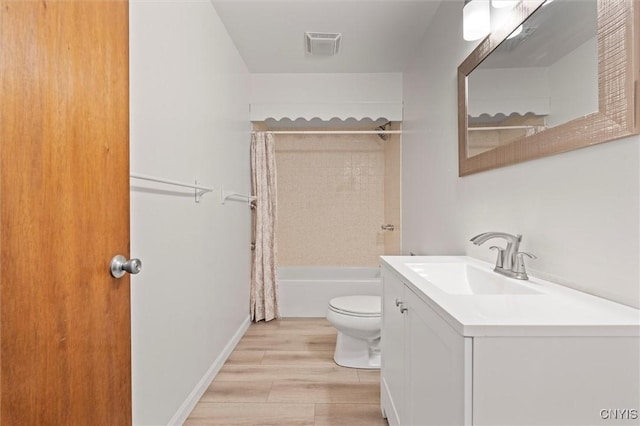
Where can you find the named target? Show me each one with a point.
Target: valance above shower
(326, 97)
(327, 111)
(319, 126)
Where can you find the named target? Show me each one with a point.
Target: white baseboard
(188, 405)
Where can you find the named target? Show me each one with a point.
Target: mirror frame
(618, 112)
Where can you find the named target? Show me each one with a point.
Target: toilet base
(357, 353)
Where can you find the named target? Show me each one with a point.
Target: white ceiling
(377, 35)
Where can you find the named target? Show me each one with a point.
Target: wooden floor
(282, 373)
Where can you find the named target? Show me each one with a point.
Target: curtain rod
(332, 132)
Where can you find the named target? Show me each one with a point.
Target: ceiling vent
(322, 44)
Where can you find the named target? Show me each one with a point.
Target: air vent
(322, 44)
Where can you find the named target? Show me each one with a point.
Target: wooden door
(64, 201)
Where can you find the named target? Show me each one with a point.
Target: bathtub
(305, 291)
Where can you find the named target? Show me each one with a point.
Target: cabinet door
(435, 393)
(392, 346)
(556, 380)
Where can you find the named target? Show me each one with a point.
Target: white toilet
(357, 319)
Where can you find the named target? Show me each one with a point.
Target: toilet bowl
(357, 319)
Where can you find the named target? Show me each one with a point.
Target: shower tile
(333, 197)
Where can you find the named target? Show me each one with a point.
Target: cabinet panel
(436, 361)
(392, 347)
(555, 380)
(433, 375)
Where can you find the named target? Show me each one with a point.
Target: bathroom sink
(463, 278)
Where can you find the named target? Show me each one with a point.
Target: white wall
(189, 119)
(573, 84)
(566, 90)
(578, 212)
(507, 90)
(326, 96)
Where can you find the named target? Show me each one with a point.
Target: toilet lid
(361, 306)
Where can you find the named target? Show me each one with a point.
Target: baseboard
(187, 406)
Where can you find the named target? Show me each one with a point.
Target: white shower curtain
(264, 288)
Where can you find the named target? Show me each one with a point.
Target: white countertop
(554, 311)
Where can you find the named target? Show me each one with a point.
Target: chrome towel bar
(199, 190)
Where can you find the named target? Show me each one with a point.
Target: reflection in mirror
(543, 76)
(528, 100)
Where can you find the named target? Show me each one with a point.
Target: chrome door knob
(119, 265)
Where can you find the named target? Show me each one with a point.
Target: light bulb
(476, 19)
(499, 4)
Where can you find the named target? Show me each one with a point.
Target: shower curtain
(264, 288)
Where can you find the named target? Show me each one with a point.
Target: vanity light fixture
(476, 19)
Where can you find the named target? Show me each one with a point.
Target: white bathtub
(305, 291)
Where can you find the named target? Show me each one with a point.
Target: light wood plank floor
(282, 373)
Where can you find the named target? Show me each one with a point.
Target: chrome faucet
(510, 261)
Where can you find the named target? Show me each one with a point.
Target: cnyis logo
(619, 414)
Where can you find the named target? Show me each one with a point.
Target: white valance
(326, 96)
(522, 106)
(392, 111)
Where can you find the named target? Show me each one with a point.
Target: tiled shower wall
(331, 199)
(392, 185)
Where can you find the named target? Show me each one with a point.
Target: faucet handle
(519, 270)
(500, 258)
(520, 254)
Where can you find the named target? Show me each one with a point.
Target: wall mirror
(555, 76)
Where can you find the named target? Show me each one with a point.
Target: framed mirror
(555, 76)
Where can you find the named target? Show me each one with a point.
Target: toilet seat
(356, 306)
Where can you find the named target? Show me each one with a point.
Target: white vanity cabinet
(393, 364)
(423, 362)
(458, 360)
(435, 380)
